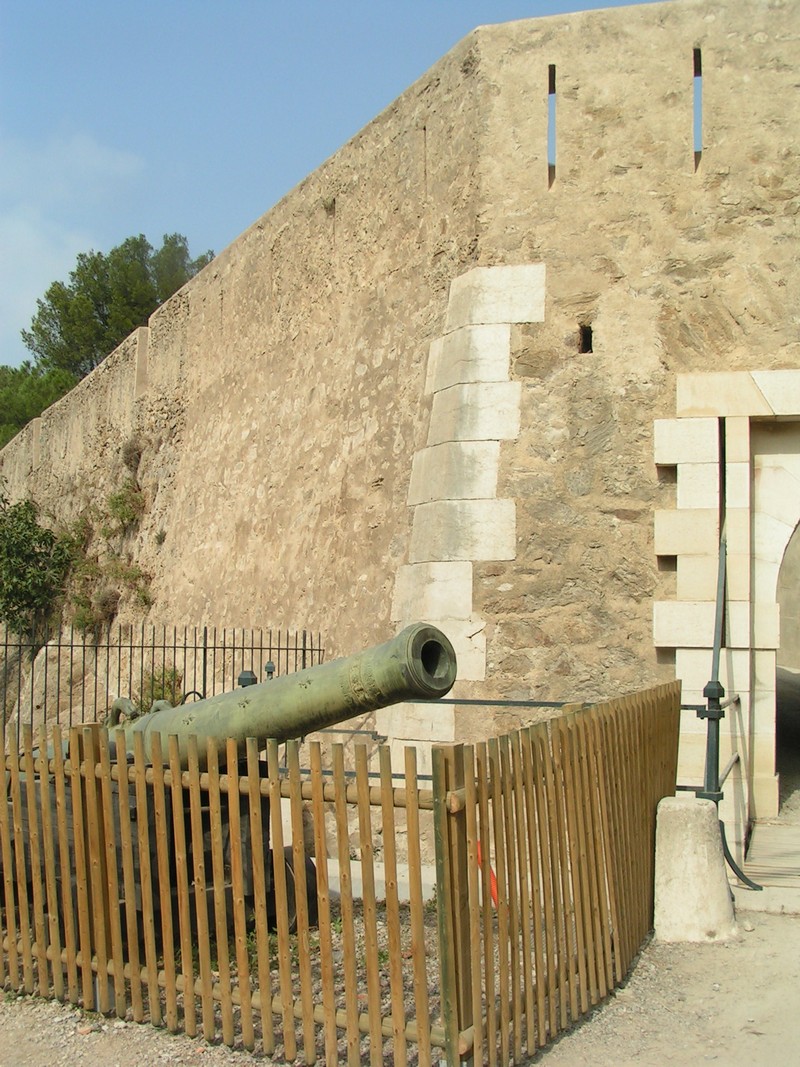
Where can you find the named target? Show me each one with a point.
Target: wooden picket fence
(134, 888)
(546, 869)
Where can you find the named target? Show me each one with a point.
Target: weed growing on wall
(131, 453)
(126, 507)
(70, 572)
(98, 584)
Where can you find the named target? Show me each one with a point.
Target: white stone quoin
(458, 515)
(497, 294)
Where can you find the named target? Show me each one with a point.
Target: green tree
(25, 392)
(77, 324)
(34, 565)
(171, 266)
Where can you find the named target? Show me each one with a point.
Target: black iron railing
(71, 677)
(713, 711)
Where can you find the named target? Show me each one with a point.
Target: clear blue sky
(120, 117)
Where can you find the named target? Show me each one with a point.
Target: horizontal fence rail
(545, 871)
(71, 677)
(141, 890)
(244, 898)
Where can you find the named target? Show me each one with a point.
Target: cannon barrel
(418, 664)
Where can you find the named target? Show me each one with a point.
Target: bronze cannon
(419, 663)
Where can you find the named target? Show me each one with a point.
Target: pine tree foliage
(79, 322)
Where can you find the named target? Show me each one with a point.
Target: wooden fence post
(452, 899)
(95, 837)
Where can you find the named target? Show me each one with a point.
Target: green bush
(44, 572)
(97, 586)
(34, 566)
(126, 506)
(165, 684)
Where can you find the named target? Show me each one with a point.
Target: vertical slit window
(551, 123)
(697, 108)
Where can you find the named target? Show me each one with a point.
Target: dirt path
(736, 1004)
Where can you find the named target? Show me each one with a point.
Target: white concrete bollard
(692, 896)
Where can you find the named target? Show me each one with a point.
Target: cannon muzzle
(418, 664)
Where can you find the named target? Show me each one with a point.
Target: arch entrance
(735, 444)
(776, 580)
(787, 694)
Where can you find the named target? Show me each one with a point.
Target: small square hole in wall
(667, 474)
(585, 338)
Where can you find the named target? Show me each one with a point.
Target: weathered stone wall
(283, 395)
(676, 268)
(281, 392)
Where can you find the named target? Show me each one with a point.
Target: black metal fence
(71, 677)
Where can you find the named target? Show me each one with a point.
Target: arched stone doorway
(787, 695)
(735, 444)
(776, 578)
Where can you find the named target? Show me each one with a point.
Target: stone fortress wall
(445, 379)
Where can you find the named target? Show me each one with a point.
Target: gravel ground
(733, 1003)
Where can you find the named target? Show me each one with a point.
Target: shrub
(131, 453)
(166, 684)
(97, 587)
(126, 506)
(34, 566)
